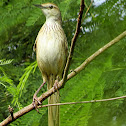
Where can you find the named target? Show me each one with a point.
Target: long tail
(53, 111)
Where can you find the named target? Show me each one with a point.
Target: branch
(91, 101)
(93, 56)
(73, 42)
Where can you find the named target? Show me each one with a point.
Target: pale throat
(53, 20)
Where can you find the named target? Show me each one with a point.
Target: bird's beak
(39, 6)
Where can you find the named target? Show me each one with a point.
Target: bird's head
(50, 10)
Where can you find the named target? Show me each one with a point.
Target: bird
(51, 53)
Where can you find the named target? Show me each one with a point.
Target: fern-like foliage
(31, 119)
(5, 62)
(3, 75)
(5, 83)
(105, 77)
(34, 17)
(90, 87)
(17, 91)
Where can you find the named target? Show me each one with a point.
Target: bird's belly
(50, 56)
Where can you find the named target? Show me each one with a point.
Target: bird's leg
(35, 95)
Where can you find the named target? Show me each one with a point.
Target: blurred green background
(105, 77)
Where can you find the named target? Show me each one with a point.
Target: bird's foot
(56, 84)
(35, 98)
(36, 102)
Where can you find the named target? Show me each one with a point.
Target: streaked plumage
(51, 52)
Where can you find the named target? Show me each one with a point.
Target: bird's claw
(35, 98)
(56, 85)
(36, 102)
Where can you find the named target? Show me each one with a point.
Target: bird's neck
(52, 20)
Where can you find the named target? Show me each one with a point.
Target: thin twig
(87, 10)
(92, 101)
(73, 42)
(11, 110)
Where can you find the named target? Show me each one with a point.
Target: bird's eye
(50, 6)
